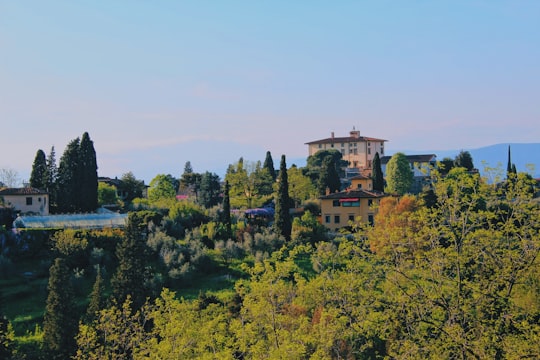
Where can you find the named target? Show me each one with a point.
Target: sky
(160, 83)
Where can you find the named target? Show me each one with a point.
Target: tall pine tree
(227, 209)
(377, 175)
(282, 219)
(97, 297)
(38, 177)
(60, 320)
(51, 176)
(88, 175)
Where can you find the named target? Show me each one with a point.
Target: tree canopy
(399, 176)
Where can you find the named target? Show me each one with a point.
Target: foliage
(282, 219)
(60, 319)
(250, 184)
(377, 176)
(9, 177)
(464, 160)
(88, 186)
(161, 187)
(399, 176)
(106, 194)
(308, 229)
(131, 187)
(328, 178)
(209, 190)
(300, 186)
(269, 165)
(226, 216)
(97, 297)
(38, 178)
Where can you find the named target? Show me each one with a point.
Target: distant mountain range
(526, 157)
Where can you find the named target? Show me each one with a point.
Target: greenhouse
(72, 221)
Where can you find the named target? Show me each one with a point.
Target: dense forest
(450, 273)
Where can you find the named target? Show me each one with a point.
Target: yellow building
(339, 209)
(26, 200)
(358, 150)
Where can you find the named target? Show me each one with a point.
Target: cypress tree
(51, 176)
(88, 175)
(131, 274)
(269, 165)
(329, 177)
(68, 181)
(509, 164)
(282, 219)
(97, 297)
(227, 209)
(60, 321)
(377, 176)
(38, 177)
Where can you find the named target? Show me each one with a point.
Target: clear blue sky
(158, 83)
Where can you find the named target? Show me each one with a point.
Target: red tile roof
(21, 191)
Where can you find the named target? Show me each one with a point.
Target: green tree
(399, 176)
(6, 334)
(282, 220)
(161, 187)
(97, 297)
(445, 165)
(190, 181)
(269, 165)
(69, 178)
(39, 170)
(131, 187)
(464, 160)
(60, 319)
(88, 186)
(377, 176)
(51, 176)
(132, 274)
(106, 194)
(251, 185)
(227, 210)
(328, 177)
(210, 190)
(315, 162)
(300, 186)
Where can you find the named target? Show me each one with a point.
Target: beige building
(356, 203)
(26, 200)
(358, 150)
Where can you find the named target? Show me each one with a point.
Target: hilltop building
(26, 200)
(358, 150)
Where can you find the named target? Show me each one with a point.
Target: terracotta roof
(360, 177)
(412, 158)
(356, 193)
(344, 140)
(22, 191)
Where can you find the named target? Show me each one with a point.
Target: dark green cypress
(227, 209)
(51, 176)
(377, 175)
(68, 181)
(60, 321)
(131, 274)
(38, 177)
(329, 177)
(509, 164)
(88, 175)
(97, 297)
(282, 219)
(269, 165)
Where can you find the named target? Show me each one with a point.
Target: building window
(335, 203)
(28, 201)
(351, 217)
(320, 146)
(370, 219)
(351, 203)
(370, 202)
(327, 219)
(358, 186)
(342, 144)
(336, 219)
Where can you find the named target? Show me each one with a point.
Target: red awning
(349, 200)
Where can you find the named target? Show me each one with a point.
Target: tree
(88, 175)
(69, 178)
(464, 160)
(106, 194)
(189, 181)
(377, 177)
(210, 190)
(227, 209)
(60, 319)
(329, 177)
(132, 187)
(38, 177)
(131, 276)
(282, 220)
(161, 187)
(97, 296)
(399, 176)
(9, 177)
(315, 163)
(51, 176)
(6, 334)
(300, 186)
(445, 165)
(269, 165)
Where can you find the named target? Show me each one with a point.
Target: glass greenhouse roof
(74, 221)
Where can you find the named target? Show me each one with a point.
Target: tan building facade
(26, 200)
(358, 150)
